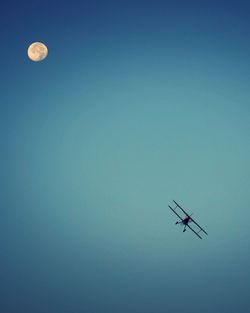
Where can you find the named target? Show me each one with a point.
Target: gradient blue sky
(138, 103)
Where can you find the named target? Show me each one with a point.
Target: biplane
(185, 221)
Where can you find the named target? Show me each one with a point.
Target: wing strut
(176, 213)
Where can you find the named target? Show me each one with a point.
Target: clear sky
(137, 103)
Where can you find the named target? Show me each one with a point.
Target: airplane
(186, 220)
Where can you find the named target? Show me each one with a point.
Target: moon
(37, 51)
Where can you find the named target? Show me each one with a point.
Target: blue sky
(137, 103)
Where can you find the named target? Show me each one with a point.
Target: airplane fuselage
(186, 220)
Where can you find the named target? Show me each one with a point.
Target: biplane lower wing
(180, 207)
(199, 226)
(194, 231)
(176, 213)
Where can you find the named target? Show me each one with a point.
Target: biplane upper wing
(176, 213)
(199, 226)
(194, 231)
(180, 207)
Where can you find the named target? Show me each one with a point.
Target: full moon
(37, 51)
